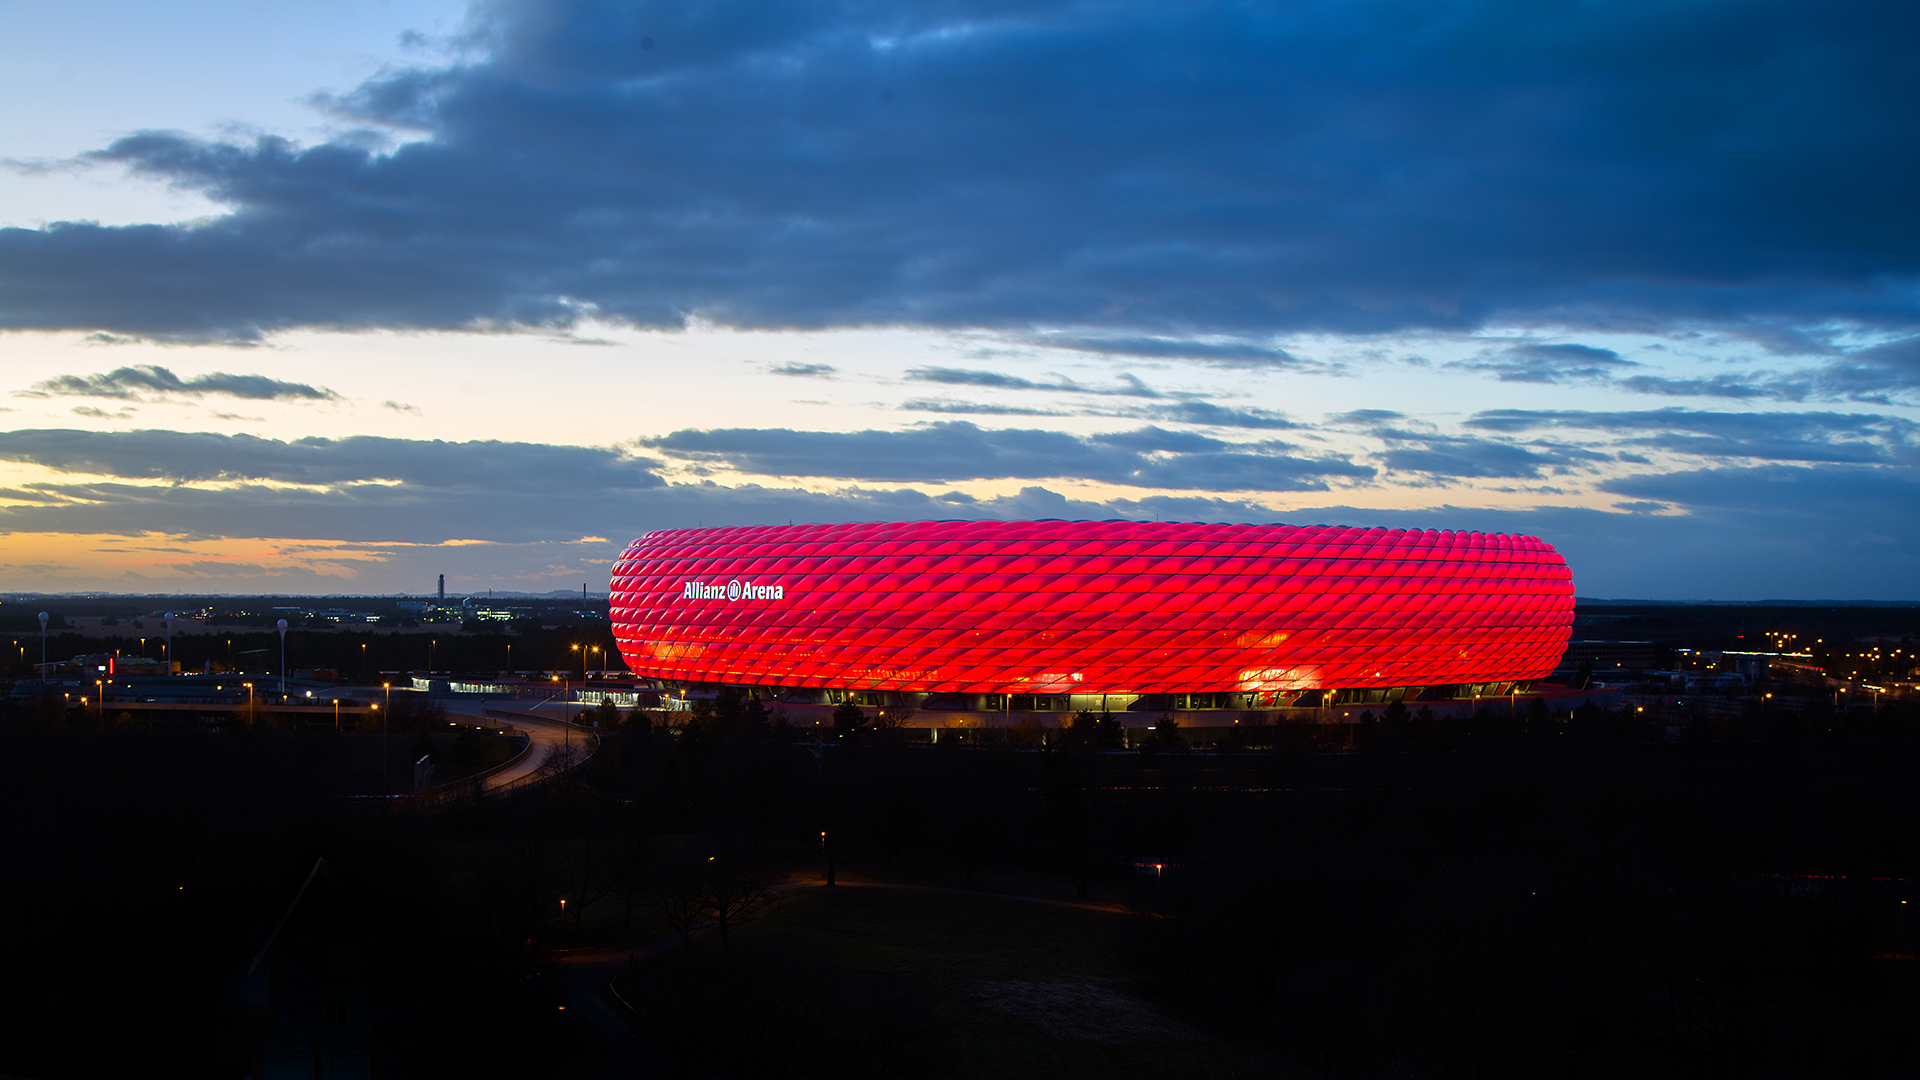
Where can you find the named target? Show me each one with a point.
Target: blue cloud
(814, 371)
(1537, 363)
(1775, 436)
(1721, 532)
(957, 450)
(140, 379)
(1160, 173)
(1130, 385)
(473, 467)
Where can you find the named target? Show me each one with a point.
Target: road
(584, 981)
(545, 737)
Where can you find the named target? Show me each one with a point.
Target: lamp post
(336, 716)
(388, 687)
(596, 659)
(100, 696)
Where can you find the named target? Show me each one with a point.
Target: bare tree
(978, 829)
(561, 759)
(734, 889)
(629, 847)
(679, 901)
(586, 875)
(898, 815)
(890, 724)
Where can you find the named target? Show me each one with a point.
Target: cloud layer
(956, 450)
(143, 380)
(1162, 171)
(1824, 528)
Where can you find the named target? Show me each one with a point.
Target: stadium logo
(732, 590)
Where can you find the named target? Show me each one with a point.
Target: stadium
(1136, 618)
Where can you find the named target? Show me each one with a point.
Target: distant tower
(583, 592)
(443, 588)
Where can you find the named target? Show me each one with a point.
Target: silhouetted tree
(1100, 730)
(677, 897)
(737, 714)
(849, 721)
(1540, 719)
(1166, 734)
(898, 814)
(587, 873)
(733, 887)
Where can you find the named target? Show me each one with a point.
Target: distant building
(96, 664)
(1609, 655)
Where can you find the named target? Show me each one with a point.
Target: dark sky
(1659, 258)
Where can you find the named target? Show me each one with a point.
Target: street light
(336, 716)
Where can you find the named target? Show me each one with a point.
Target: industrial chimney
(443, 588)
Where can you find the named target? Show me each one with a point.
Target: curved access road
(547, 736)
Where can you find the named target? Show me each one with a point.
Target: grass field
(1005, 988)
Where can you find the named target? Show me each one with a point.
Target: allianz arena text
(1264, 615)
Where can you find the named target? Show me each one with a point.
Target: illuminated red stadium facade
(1073, 614)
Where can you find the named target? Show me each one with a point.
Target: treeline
(355, 655)
(1574, 903)
(1555, 896)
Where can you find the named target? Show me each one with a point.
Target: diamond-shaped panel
(1112, 607)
